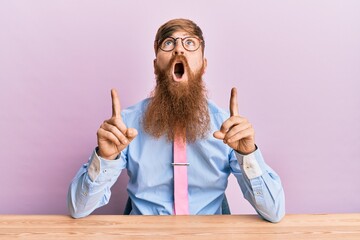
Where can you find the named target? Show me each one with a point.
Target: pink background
(296, 65)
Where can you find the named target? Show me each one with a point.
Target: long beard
(178, 107)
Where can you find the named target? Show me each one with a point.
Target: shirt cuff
(97, 163)
(252, 164)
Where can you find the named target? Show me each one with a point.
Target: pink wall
(296, 65)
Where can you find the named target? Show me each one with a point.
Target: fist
(236, 131)
(113, 135)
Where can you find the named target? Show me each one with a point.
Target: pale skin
(113, 135)
(236, 131)
(195, 59)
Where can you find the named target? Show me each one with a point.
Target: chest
(149, 160)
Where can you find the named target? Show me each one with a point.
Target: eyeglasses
(191, 44)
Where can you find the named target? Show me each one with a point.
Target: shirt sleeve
(90, 188)
(260, 184)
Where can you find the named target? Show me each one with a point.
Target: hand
(236, 131)
(113, 135)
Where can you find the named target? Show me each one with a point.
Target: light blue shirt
(148, 163)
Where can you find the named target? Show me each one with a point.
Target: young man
(145, 139)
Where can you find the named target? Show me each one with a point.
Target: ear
(205, 65)
(155, 72)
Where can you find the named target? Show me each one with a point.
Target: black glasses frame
(182, 42)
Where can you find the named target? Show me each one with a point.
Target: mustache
(181, 58)
(166, 73)
(178, 58)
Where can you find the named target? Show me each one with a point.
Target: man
(146, 137)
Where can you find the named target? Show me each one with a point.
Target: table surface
(293, 226)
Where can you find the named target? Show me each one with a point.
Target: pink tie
(181, 204)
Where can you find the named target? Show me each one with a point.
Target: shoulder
(216, 110)
(134, 112)
(217, 114)
(136, 108)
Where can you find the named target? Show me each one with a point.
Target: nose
(179, 49)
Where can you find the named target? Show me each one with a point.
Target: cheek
(160, 65)
(162, 61)
(196, 64)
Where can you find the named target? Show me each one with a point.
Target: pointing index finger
(233, 103)
(116, 107)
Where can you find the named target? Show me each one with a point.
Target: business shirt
(151, 183)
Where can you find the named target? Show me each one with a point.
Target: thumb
(219, 135)
(131, 133)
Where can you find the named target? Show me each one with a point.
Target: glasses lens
(191, 43)
(168, 44)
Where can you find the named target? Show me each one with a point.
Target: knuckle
(124, 139)
(100, 131)
(112, 128)
(117, 122)
(110, 121)
(108, 135)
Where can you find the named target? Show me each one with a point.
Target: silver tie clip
(180, 164)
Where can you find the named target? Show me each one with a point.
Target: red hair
(174, 25)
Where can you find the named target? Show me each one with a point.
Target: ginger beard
(178, 106)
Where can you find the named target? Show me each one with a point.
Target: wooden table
(326, 226)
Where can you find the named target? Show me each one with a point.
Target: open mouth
(179, 70)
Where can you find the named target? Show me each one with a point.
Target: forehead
(180, 34)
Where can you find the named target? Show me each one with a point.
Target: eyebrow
(178, 37)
